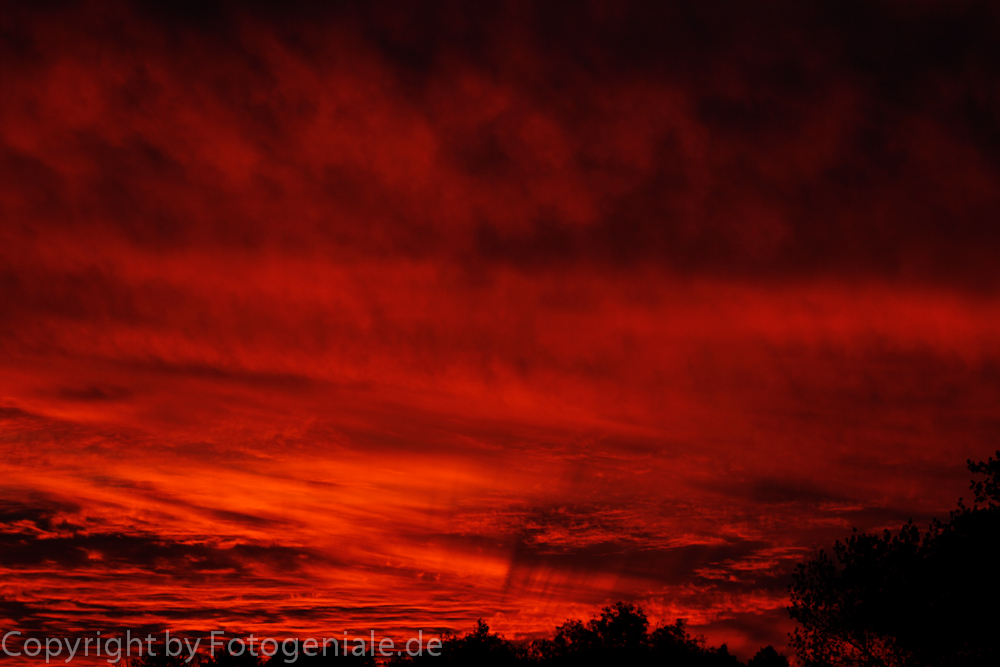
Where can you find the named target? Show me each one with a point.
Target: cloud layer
(396, 317)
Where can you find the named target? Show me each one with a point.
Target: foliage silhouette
(911, 598)
(160, 659)
(619, 635)
(768, 657)
(478, 647)
(223, 658)
(333, 658)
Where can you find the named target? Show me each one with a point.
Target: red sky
(396, 318)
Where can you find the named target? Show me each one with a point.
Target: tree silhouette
(619, 635)
(295, 656)
(160, 659)
(768, 657)
(223, 658)
(671, 644)
(907, 599)
(479, 647)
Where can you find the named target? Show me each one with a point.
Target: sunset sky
(326, 317)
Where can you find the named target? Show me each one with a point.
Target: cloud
(408, 314)
(34, 535)
(679, 137)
